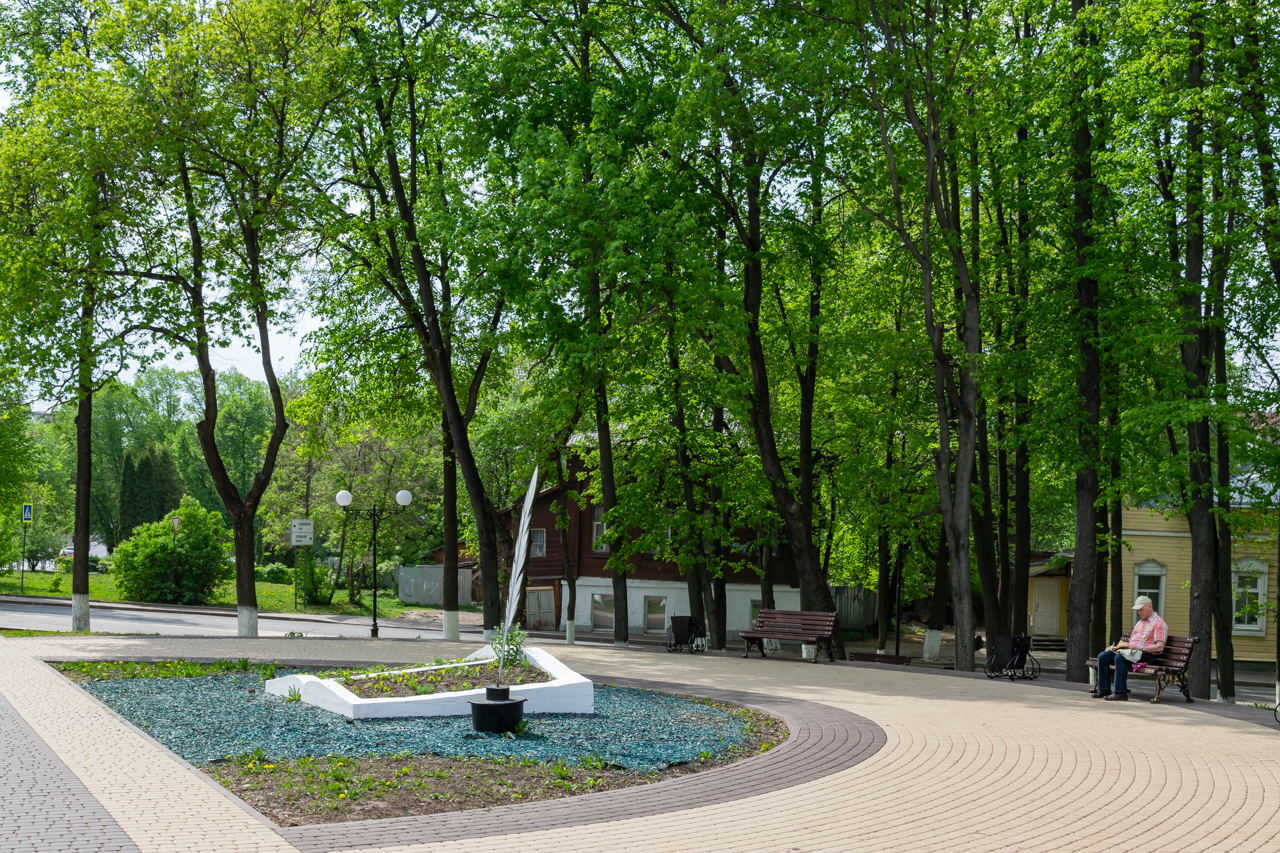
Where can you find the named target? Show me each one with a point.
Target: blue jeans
(1107, 660)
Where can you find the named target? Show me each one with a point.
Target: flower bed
(442, 680)
(563, 692)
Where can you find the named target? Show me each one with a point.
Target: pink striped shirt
(1149, 632)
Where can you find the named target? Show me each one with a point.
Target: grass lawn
(275, 597)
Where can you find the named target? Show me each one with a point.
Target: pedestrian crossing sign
(27, 512)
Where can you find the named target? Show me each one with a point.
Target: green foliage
(179, 668)
(274, 573)
(155, 564)
(510, 651)
(314, 580)
(150, 488)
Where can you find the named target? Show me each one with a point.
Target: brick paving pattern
(823, 740)
(967, 764)
(46, 808)
(157, 800)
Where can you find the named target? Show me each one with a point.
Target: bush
(274, 573)
(62, 564)
(313, 580)
(155, 565)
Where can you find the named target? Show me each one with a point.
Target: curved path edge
(823, 740)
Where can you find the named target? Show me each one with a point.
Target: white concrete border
(566, 692)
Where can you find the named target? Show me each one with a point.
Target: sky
(286, 352)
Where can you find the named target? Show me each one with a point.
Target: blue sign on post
(27, 511)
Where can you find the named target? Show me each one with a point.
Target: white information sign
(302, 532)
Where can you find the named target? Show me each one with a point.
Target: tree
(183, 567)
(65, 164)
(236, 99)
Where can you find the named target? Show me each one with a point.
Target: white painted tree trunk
(80, 611)
(569, 627)
(451, 625)
(246, 622)
(932, 645)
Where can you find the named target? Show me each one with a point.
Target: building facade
(656, 589)
(1157, 563)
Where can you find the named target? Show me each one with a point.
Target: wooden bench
(872, 657)
(1170, 667)
(800, 626)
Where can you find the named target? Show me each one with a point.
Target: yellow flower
(342, 796)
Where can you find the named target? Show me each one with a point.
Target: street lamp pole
(375, 514)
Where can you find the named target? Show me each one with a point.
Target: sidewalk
(958, 752)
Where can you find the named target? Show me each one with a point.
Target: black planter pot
(497, 712)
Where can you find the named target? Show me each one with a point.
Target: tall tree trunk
(1255, 104)
(690, 547)
(941, 586)
(790, 507)
(766, 576)
(449, 521)
(1224, 594)
(1002, 523)
(242, 508)
(1021, 402)
(1196, 353)
(609, 500)
(566, 564)
(984, 536)
(1118, 609)
(84, 471)
(884, 590)
(1098, 612)
(1080, 591)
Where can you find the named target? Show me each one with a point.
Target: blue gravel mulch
(212, 717)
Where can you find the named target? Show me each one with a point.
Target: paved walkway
(965, 764)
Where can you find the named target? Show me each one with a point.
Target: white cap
(1140, 602)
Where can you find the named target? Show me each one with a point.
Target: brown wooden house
(656, 589)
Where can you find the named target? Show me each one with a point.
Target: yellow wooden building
(1157, 563)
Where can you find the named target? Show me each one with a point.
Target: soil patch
(429, 614)
(442, 680)
(339, 788)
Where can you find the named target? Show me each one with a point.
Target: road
(44, 616)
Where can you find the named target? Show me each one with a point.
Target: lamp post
(375, 514)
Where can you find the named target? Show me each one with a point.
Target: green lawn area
(271, 596)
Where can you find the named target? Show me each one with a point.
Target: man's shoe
(1099, 694)
(1117, 697)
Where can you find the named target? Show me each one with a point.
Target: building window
(1149, 581)
(598, 530)
(601, 612)
(655, 614)
(538, 542)
(1249, 586)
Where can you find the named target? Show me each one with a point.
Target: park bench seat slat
(1170, 666)
(872, 657)
(805, 626)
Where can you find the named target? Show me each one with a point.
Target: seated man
(1146, 641)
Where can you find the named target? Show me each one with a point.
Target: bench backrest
(801, 621)
(1177, 651)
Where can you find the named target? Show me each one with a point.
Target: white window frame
(1150, 568)
(599, 527)
(665, 616)
(534, 549)
(1259, 569)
